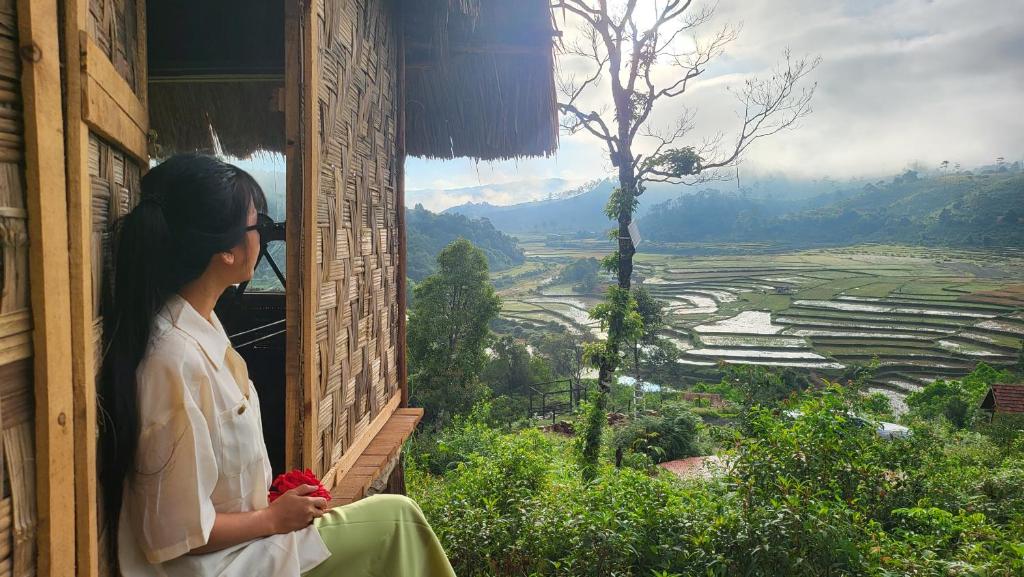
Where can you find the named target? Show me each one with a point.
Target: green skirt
(380, 536)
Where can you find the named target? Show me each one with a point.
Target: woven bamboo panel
(19, 460)
(14, 293)
(357, 251)
(114, 181)
(113, 25)
(18, 517)
(17, 472)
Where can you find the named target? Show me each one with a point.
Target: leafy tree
(636, 53)
(448, 332)
(956, 401)
(652, 315)
(564, 352)
(509, 373)
(582, 274)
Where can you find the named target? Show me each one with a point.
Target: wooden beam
(302, 158)
(107, 117)
(49, 278)
(87, 529)
(101, 71)
(372, 463)
(400, 346)
(217, 77)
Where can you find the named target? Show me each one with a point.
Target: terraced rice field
(922, 313)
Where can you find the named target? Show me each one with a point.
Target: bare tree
(630, 46)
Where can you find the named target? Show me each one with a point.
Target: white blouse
(201, 452)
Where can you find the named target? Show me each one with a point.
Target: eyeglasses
(263, 224)
(269, 230)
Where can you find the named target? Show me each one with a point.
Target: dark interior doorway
(215, 85)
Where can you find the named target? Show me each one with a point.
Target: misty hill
(501, 193)
(959, 210)
(582, 211)
(427, 233)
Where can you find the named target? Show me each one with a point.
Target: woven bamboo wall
(113, 176)
(17, 471)
(114, 181)
(357, 250)
(113, 25)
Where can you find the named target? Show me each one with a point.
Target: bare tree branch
(770, 106)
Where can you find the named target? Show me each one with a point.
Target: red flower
(288, 481)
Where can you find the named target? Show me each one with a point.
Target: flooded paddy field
(919, 313)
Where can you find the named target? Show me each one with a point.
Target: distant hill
(500, 193)
(582, 211)
(955, 209)
(427, 233)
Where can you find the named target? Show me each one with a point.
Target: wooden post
(302, 166)
(402, 344)
(49, 278)
(83, 339)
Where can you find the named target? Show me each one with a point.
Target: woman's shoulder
(170, 376)
(170, 352)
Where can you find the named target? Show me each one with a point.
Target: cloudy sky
(900, 81)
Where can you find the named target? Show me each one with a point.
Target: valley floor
(919, 313)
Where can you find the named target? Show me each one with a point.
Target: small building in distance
(1004, 399)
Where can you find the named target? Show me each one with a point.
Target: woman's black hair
(191, 208)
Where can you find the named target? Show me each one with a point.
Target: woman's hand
(293, 510)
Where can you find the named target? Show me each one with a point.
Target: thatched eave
(479, 79)
(216, 74)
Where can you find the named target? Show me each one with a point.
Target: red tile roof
(1008, 398)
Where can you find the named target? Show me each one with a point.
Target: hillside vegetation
(428, 233)
(952, 210)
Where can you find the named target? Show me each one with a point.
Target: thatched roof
(210, 65)
(479, 77)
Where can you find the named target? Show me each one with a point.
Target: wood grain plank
(80, 219)
(98, 67)
(298, 197)
(49, 277)
(104, 115)
(403, 368)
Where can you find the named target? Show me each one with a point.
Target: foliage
(588, 441)
(510, 373)
(428, 233)
(759, 385)
(581, 274)
(956, 401)
(950, 210)
(672, 433)
(448, 332)
(564, 353)
(811, 495)
(466, 435)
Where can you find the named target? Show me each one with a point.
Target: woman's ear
(227, 258)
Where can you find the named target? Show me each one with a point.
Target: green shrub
(672, 434)
(467, 436)
(812, 495)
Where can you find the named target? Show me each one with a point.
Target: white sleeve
(169, 495)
